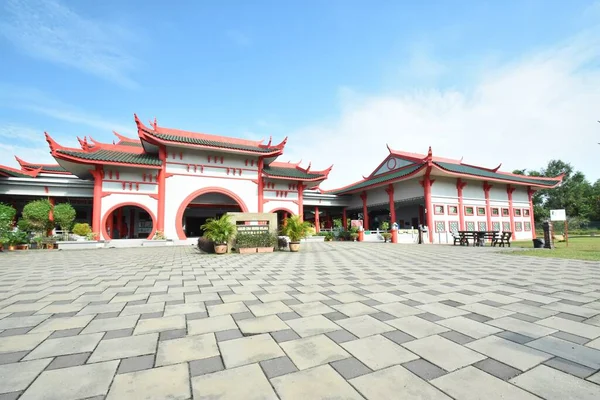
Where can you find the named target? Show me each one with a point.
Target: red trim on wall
(344, 219)
(509, 191)
(461, 211)
(97, 202)
(287, 210)
(317, 221)
(261, 185)
(179, 218)
(162, 154)
(301, 200)
(530, 193)
(427, 182)
(488, 212)
(132, 204)
(392, 206)
(363, 197)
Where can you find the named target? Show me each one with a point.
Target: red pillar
(461, 209)
(131, 222)
(260, 185)
(97, 204)
(344, 219)
(426, 183)
(111, 225)
(509, 191)
(160, 223)
(390, 192)
(488, 211)
(363, 196)
(301, 200)
(51, 213)
(317, 222)
(530, 193)
(119, 220)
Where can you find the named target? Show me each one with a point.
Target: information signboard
(558, 215)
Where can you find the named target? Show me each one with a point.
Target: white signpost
(561, 215)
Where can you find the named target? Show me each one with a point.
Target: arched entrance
(129, 221)
(282, 214)
(204, 204)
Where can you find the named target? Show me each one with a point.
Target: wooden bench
(503, 239)
(490, 236)
(48, 243)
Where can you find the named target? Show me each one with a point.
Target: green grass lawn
(580, 248)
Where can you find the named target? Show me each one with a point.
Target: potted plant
(354, 233)
(266, 242)
(386, 236)
(17, 240)
(220, 231)
(384, 226)
(82, 230)
(296, 229)
(246, 243)
(329, 236)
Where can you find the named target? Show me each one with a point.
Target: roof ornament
(270, 140)
(389, 148)
(155, 124)
(83, 143)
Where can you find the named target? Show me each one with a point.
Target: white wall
(116, 199)
(408, 189)
(275, 205)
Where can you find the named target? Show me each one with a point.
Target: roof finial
(429, 154)
(155, 124)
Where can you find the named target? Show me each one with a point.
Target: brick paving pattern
(337, 320)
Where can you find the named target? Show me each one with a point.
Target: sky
(511, 82)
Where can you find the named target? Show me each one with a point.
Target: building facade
(170, 181)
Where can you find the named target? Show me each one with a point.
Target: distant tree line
(578, 196)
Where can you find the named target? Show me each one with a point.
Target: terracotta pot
(220, 248)
(294, 246)
(22, 247)
(264, 249)
(11, 248)
(247, 250)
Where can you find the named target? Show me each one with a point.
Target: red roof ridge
(33, 173)
(284, 164)
(25, 163)
(125, 138)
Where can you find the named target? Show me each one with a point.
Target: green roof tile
(115, 156)
(133, 144)
(213, 143)
(12, 174)
(468, 170)
(379, 179)
(50, 168)
(291, 173)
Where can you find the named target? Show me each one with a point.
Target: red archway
(132, 204)
(281, 214)
(184, 204)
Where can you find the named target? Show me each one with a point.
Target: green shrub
(219, 230)
(7, 215)
(329, 236)
(64, 215)
(37, 213)
(246, 240)
(82, 229)
(384, 226)
(266, 239)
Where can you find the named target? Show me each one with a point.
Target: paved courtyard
(336, 321)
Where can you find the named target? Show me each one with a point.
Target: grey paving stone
(341, 336)
(382, 316)
(65, 333)
(498, 369)
(229, 334)
(477, 317)
(118, 333)
(350, 368)
(284, 336)
(570, 367)
(452, 303)
(15, 331)
(398, 337)
(8, 358)
(173, 334)
(570, 316)
(424, 369)
(71, 360)
(330, 302)
(206, 366)
(430, 317)
(291, 302)
(158, 314)
(107, 315)
(570, 337)
(515, 337)
(371, 302)
(571, 351)
(242, 315)
(457, 337)
(138, 363)
(10, 396)
(525, 317)
(196, 315)
(411, 303)
(491, 303)
(278, 366)
(335, 316)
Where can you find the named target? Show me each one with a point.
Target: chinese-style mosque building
(171, 180)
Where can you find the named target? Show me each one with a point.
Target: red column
(509, 191)
(51, 213)
(119, 220)
(344, 219)
(426, 183)
(530, 193)
(390, 192)
(111, 227)
(488, 211)
(97, 204)
(317, 222)
(461, 209)
(260, 185)
(160, 223)
(131, 222)
(363, 196)
(301, 200)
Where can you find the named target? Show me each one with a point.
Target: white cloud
(523, 114)
(38, 152)
(48, 30)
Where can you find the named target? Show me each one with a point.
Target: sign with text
(252, 229)
(558, 215)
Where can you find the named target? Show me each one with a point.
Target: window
(470, 226)
(526, 212)
(438, 210)
(518, 226)
(506, 226)
(517, 212)
(452, 210)
(469, 210)
(440, 226)
(481, 226)
(496, 226)
(527, 226)
(505, 212)
(453, 226)
(495, 212)
(480, 210)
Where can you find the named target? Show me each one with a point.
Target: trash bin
(538, 243)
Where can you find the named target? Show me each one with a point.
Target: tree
(7, 215)
(64, 215)
(37, 215)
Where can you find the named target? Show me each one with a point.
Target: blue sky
(480, 79)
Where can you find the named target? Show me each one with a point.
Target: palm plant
(220, 230)
(295, 228)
